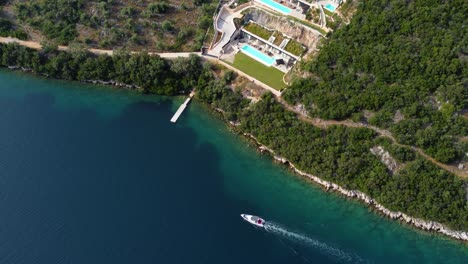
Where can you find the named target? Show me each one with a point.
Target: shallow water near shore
(94, 174)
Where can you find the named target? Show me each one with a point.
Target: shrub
(158, 8)
(258, 30)
(294, 47)
(167, 25)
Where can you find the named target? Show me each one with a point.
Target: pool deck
(325, 3)
(226, 47)
(224, 22)
(295, 12)
(285, 11)
(330, 7)
(256, 57)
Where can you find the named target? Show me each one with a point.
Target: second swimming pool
(330, 7)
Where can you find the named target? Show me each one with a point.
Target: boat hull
(254, 220)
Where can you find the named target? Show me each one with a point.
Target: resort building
(301, 6)
(265, 33)
(269, 47)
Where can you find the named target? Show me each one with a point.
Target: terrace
(292, 8)
(298, 9)
(273, 41)
(330, 5)
(255, 48)
(276, 6)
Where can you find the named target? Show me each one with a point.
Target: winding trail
(302, 116)
(382, 132)
(38, 46)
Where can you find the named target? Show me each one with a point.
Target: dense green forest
(405, 63)
(218, 93)
(393, 59)
(7, 29)
(152, 74)
(338, 154)
(341, 155)
(162, 25)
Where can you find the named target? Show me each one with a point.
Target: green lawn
(268, 75)
(279, 37)
(258, 30)
(294, 47)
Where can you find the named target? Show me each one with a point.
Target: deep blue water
(92, 174)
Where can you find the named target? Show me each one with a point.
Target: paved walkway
(225, 25)
(323, 19)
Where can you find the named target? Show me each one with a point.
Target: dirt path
(314, 121)
(38, 46)
(29, 44)
(382, 132)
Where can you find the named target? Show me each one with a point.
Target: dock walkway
(181, 108)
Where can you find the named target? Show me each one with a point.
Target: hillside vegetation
(341, 155)
(164, 25)
(151, 74)
(399, 65)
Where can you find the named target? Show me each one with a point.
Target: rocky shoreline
(425, 225)
(430, 226)
(111, 82)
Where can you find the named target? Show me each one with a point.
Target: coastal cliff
(430, 226)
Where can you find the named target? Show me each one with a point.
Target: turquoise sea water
(93, 174)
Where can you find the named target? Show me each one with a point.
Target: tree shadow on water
(133, 188)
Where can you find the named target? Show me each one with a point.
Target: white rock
(420, 223)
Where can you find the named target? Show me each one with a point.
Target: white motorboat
(254, 220)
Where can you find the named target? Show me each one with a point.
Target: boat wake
(328, 250)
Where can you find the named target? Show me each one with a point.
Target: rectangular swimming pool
(276, 6)
(330, 7)
(257, 55)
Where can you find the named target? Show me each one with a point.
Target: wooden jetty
(181, 108)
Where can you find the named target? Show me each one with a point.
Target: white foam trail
(323, 247)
